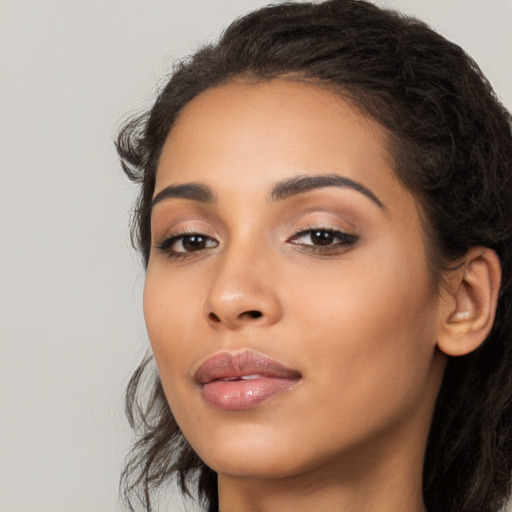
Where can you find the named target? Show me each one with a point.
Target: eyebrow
(282, 190)
(193, 191)
(300, 184)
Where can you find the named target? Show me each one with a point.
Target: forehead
(251, 135)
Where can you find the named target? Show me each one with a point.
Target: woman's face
(287, 297)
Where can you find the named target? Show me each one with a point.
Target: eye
(323, 239)
(186, 243)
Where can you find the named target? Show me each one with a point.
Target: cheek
(170, 313)
(369, 329)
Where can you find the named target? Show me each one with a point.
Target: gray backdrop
(70, 286)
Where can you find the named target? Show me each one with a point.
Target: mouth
(242, 380)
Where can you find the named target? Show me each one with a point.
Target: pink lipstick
(241, 380)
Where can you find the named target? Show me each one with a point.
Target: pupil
(321, 238)
(194, 242)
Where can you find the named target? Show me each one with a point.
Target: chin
(250, 453)
(258, 466)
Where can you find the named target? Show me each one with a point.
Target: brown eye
(181, 245)
(192, 243)
(321, 237)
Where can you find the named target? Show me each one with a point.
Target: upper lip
(230, 365)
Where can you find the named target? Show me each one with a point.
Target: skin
(359, 321)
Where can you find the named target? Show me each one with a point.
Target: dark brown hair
(452, 146)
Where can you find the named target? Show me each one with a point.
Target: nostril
(213, 317)
(254, 314)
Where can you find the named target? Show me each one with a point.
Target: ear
(469, 302)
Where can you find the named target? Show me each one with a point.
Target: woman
(326, 221)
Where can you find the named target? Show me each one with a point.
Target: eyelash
(167, 244)
(345, 240)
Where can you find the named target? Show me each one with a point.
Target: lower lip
(236, 395)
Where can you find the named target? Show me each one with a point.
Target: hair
(451, 143)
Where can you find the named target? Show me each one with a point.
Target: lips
(242, 380)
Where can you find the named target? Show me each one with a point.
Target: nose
(242, 293)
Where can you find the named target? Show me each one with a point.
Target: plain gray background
(71, 325)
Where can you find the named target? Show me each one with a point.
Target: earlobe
(469, 306)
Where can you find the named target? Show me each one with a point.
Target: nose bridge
(242, 291)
